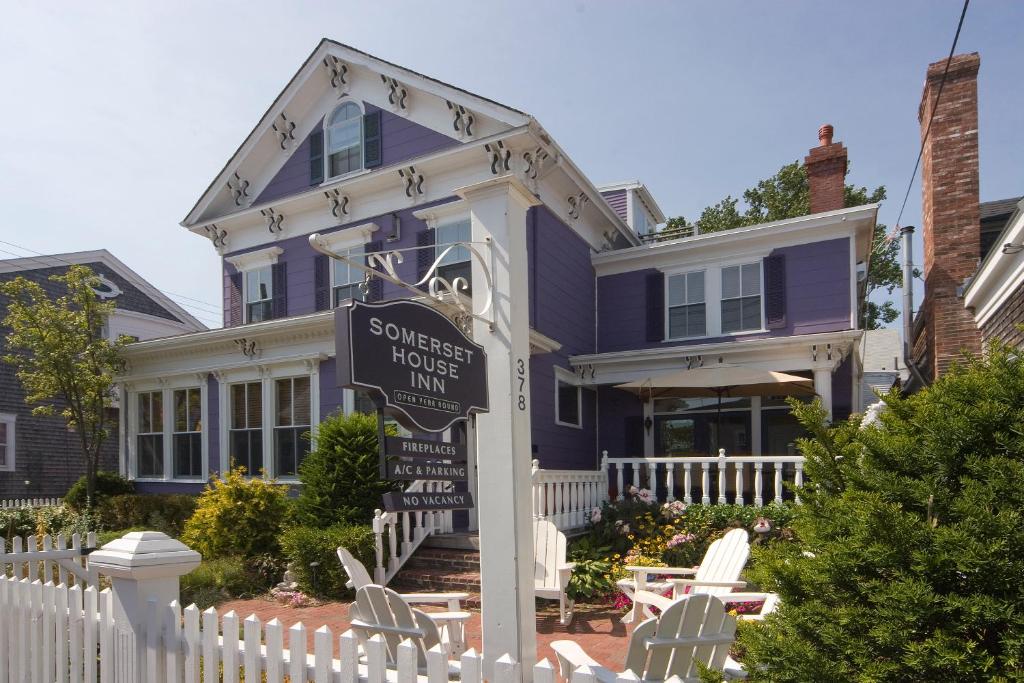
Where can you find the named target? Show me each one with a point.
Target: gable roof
(103, 256)
(510, 116)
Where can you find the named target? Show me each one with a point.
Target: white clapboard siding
(69, 634)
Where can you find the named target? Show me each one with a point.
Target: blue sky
(117, 115)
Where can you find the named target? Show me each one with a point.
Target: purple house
(372, 156)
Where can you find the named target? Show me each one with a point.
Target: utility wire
(935, 107)
(198, 304)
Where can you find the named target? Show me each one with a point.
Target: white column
(142, 566)
(498, 211)
(122, 429)
(823, 387)
(474, 523)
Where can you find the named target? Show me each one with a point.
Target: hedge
(305, 545)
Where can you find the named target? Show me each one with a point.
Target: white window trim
(10, 420)
(327, 141)
(443, 214)
(760, 269)
(668, 307)
(266, 375)
(713, 298)
(346, 239)
(245, 291)
(251, 260)
(565, 377)
(274, 426)
(167, 389)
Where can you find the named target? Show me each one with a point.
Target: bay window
(150, 439)
(687, 315)
(292, 420)
(259, 292)
(246, 430)
(187, 438)
(741, 298)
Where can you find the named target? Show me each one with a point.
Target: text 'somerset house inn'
(372, 156)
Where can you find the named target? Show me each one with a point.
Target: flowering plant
(292, 597)
(595, 515)
(673, 510)
(680, 539)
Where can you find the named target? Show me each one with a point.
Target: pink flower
(595, 515)
(645, 496)
(680, 539)
(762, 525)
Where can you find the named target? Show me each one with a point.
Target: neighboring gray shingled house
(882, 364)
(39, 456)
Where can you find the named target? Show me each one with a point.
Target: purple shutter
(655, 306)
(424, 257)
(316, 157)
(775, 291)
(322, 282)
(372, 148)
(279, 282)
(376, 285)
(233, 316)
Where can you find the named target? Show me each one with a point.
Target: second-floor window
(741, 298)
(246, 433)
(347, 279)
(188, 433)
(259, 292)
(687, 313)
(292, 420)
(456, 263)
(344, 140)
(150, 461)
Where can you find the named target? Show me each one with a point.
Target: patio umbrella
(717, 381)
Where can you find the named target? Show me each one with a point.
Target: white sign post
(498, 210)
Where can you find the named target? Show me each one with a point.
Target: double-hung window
(7, 442)
(741, 298)
(150, 458)
(687, 312)
(292, 420)
(456, 262)
(246, 432)
(188, 433)
(568, 400)
(259, 292)
(344, 140)
(347, 279)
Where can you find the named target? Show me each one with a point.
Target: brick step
(454, 561)
(435, 581)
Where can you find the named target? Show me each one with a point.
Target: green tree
(911, 541)
(61, 357)
(341, 481)
(787, 195)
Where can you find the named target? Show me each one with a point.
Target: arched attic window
(344, 132)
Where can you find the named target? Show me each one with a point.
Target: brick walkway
(597, 629)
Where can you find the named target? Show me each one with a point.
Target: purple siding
(562, 307)
(617, 409)
(817, 299)
(617, 200)
(842, 390)
(401, 139)
(213, 423)
(331, 395)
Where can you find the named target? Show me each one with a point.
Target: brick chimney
(826, 172)
(952, 225)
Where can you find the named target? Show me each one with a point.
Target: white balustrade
(566, 497)
(397, 535)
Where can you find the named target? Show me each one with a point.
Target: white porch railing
(566, 497)
(30, 503)
(403, 532)
(662, 476)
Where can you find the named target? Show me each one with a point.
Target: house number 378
(520, 384)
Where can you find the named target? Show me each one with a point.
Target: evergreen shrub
(166, 512)
(237, 516)
(341, 481)
(305, 545)
(910, 552)
(107, 484)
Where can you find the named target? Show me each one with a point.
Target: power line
(197, 304)
(935, 107)
(209, 313)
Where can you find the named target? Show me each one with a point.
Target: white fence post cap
(145, 555)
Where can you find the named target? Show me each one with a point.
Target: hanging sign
(425, 372)
(430, 470)
(423, 448)
(440, 500)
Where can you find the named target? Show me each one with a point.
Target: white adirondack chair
(718, 574)
(551, 573)
(452, 622)
(380, 610)
(692, 629)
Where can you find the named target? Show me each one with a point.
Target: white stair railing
(403, 532)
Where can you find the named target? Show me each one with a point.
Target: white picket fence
(46, 558)
(30, 503)
(55, 633)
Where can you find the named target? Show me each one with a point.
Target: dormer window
(344, 129)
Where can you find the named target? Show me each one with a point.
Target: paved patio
(596, 628)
